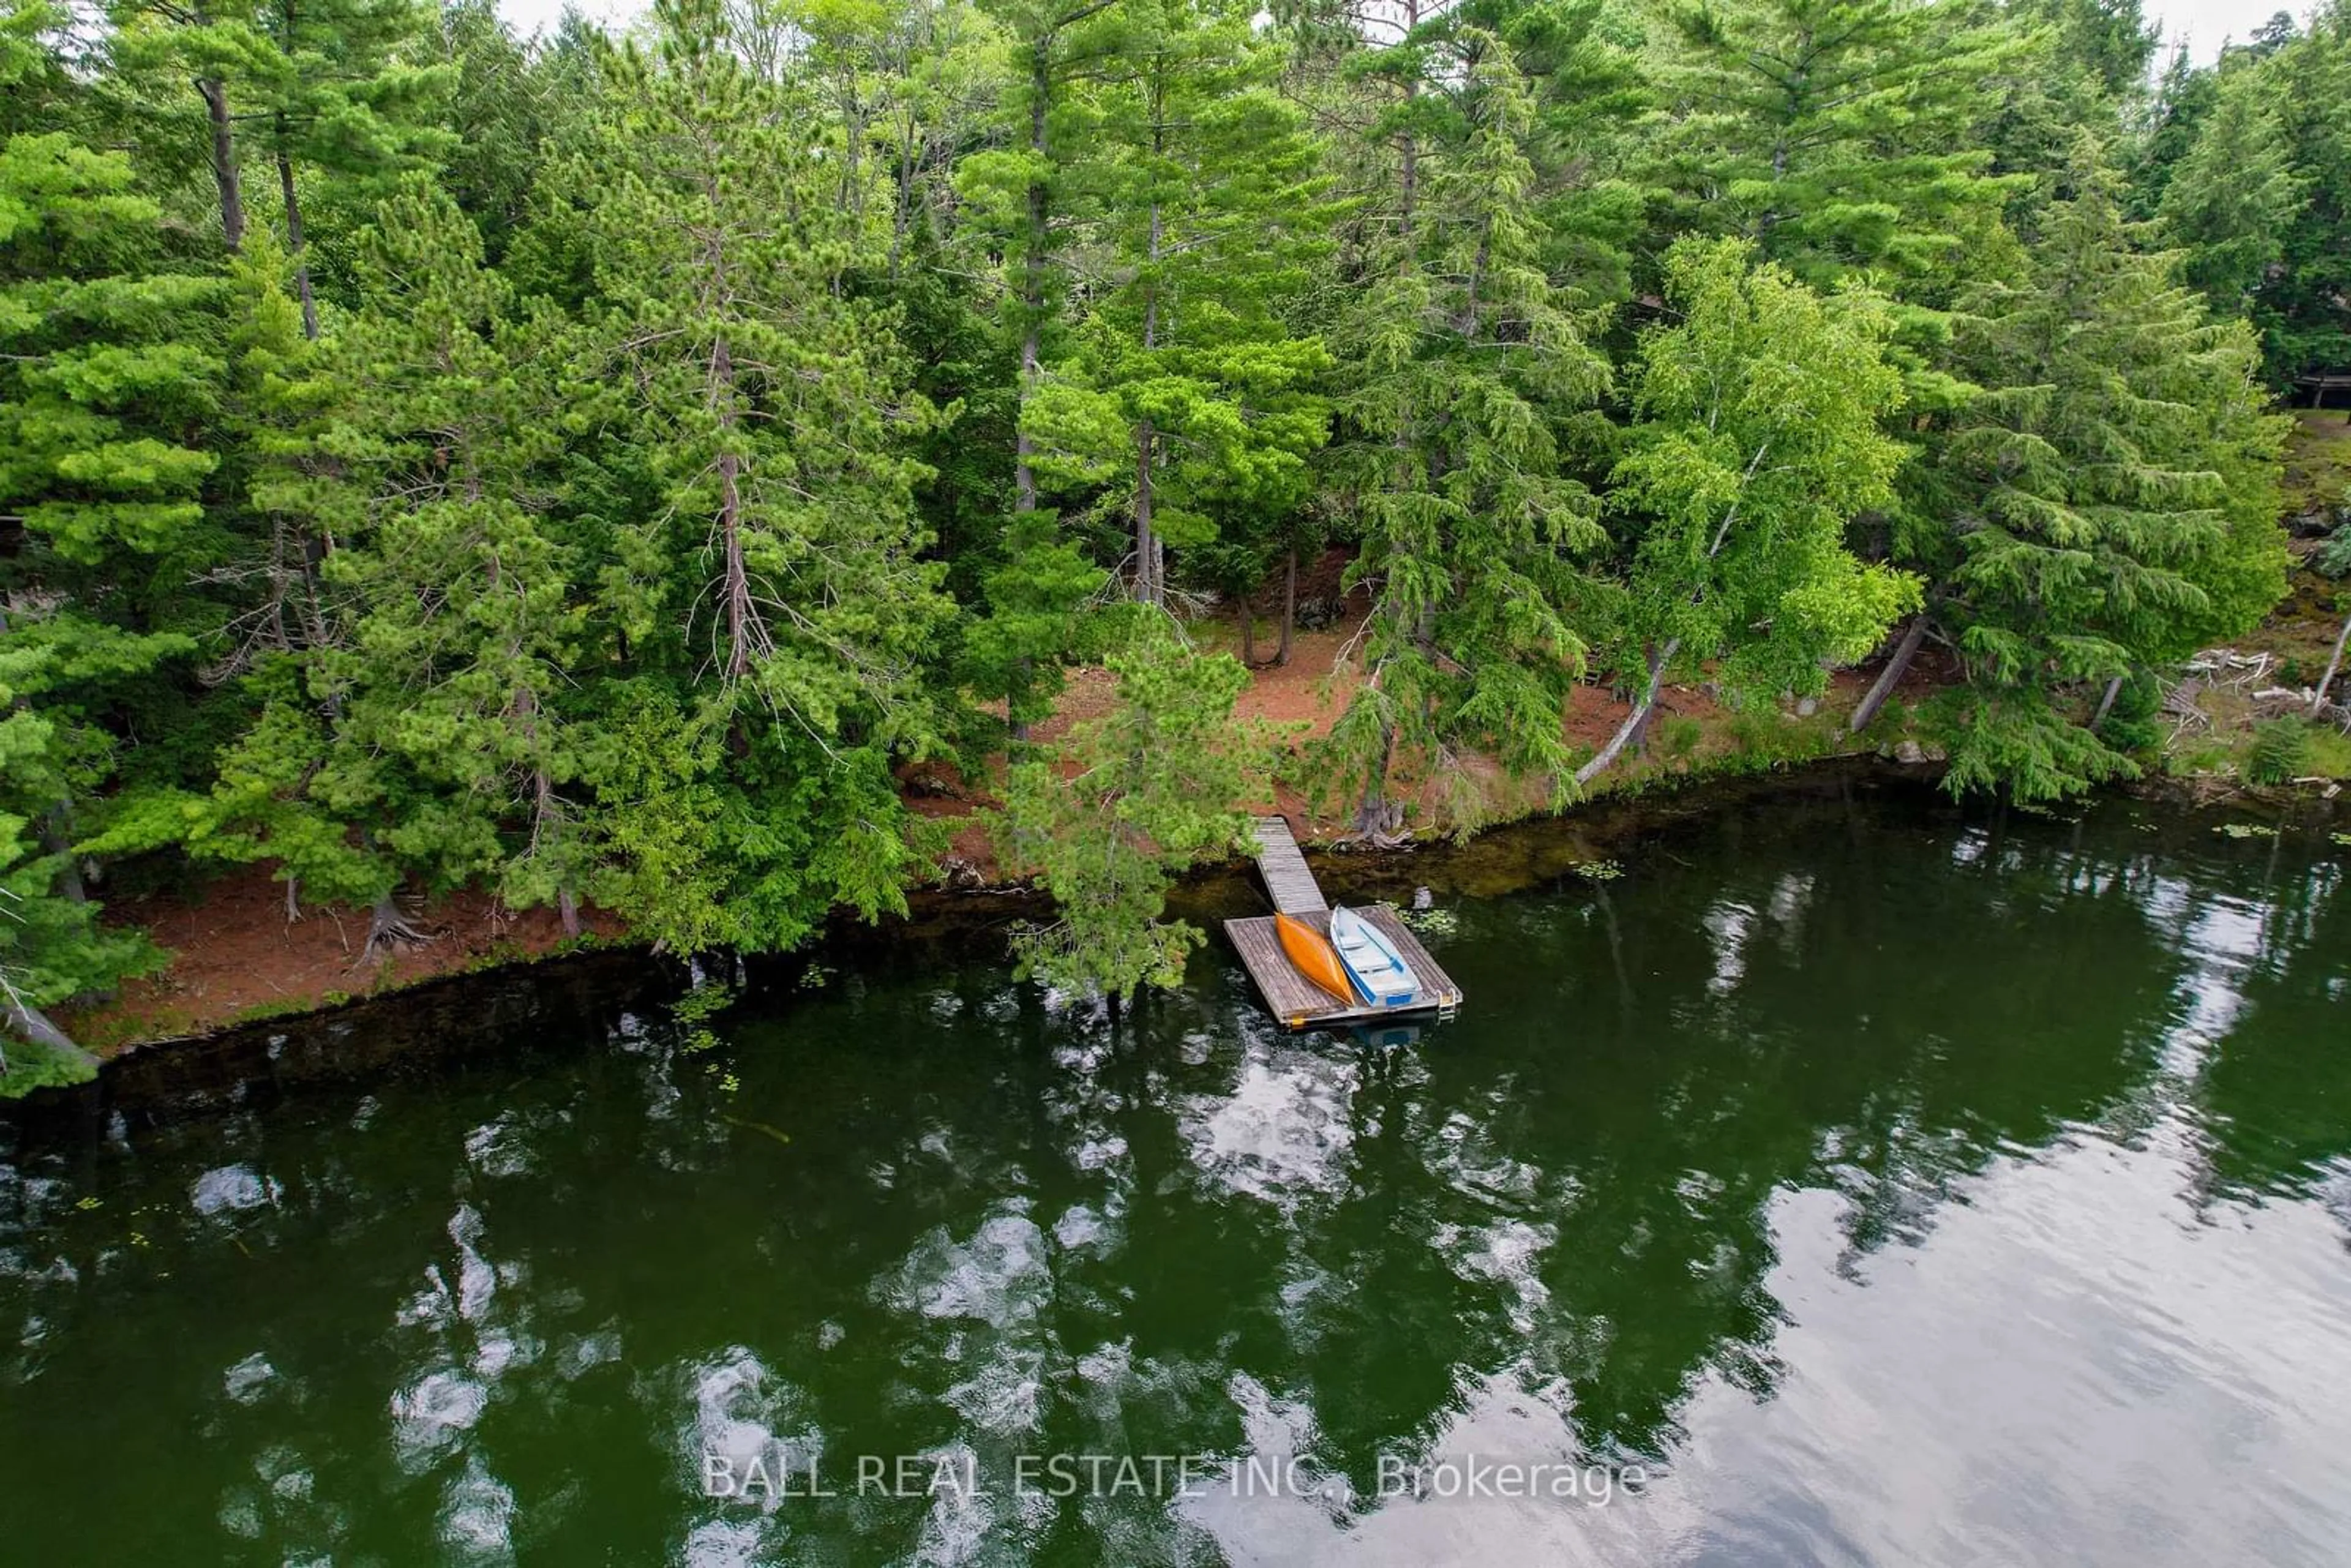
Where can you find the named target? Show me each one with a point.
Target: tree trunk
(735, 577)
(56, 841)
(568, 908)
(294, 238)
(2107, 702)
(2334, 663)
(1032, 278)
(1371, 812)
(224, 175)
(1032, 304)
(387, 928)
(1146, 544)
(1408, 167)
(1638, 718)
(1634, 720)
(1289, 604)
(29, 1022)
(1891, 676)
(736, 586)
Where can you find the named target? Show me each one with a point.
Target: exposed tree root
(389, 928)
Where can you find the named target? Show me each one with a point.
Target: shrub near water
(2282, 751)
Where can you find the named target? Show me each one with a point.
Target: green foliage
(1756, 435)
(599, 471)
(2134, 725)
(1186, 400)
(1837, 132)
(2300, 310)
(106, 362)
(1107, 817)
(2108, 501)
(2281, 751)
(2230, 201)
(1462, 372)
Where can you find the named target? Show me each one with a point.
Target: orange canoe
(1315, 957)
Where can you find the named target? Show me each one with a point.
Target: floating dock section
(1297, 1001)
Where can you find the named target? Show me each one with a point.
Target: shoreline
(429, 1024)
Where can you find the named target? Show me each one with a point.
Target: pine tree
(2184, 97)
(107, 370)
(1112, 815)
(2230, 201)
(777, 591)
(1463, 372)
(328, 87)
(1023, 204)
(463, 605)
(1190, 393)
(2107, 503)
(1755, 438)
(2302, 308)
(1834, 132)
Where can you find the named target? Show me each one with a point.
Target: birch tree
(1756, 436)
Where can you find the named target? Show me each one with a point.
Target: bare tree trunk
(56, 841)
(734, 579)
(1634, 720)
(1373, 812)
(1147, 545)
(736, 584)
(1409, 170)
(568, 908)
(294, 238)
(1289, 604)
(1032, 276)
(2107, 702)
(1032, 304)
(1638, 718)
(29, 1022)
(224, 175)
(2334, 663)
(1891, 676)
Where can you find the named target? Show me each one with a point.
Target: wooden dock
(1283, 865)
(1290, 997)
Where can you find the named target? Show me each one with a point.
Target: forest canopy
(598, 468)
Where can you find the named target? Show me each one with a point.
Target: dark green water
(1843, 1183)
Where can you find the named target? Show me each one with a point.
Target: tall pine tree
(2106, 503)
(779, 610)
(109, 372)
(1463, 375)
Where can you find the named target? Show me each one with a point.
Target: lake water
(1843, 1181)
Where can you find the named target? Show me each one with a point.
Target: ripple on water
(477, 1521)
(749, 1416)
(431, 1414)
(232, 1189)
(1000, 1277)
(1284, 1129)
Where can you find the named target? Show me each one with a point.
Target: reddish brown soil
(235, 957)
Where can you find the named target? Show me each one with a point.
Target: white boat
(1382, 977)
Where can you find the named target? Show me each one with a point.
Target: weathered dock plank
(1283, 866)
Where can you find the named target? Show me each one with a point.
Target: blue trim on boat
(1380, 975)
